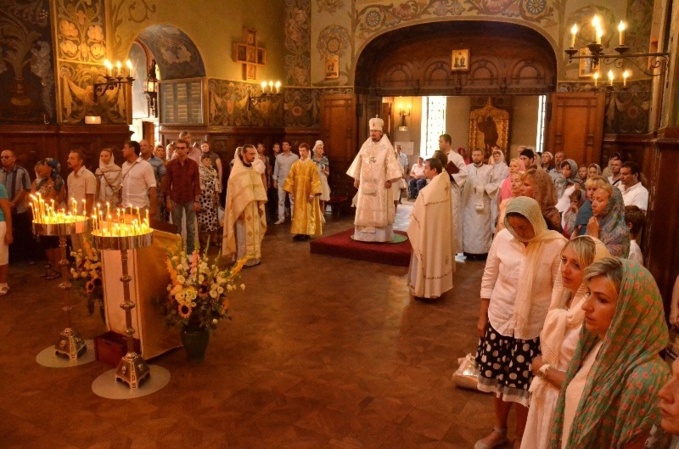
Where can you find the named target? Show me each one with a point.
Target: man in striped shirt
(17, 181)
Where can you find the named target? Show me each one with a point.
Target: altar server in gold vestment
(374, 170)
(432, 262)
(245, 216)
(304, 184)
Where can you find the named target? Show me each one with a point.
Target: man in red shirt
(182, 192)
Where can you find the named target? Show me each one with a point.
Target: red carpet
(341, 245)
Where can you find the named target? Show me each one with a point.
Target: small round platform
(107, 387)
(47, 357)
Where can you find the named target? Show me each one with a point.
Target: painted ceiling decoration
(175, 53)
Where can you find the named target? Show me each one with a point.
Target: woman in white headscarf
(323, 171)
(559, 337)
(516, 290)
(109, 178)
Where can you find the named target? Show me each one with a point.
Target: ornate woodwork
(504, 59)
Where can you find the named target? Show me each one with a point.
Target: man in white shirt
(82, 184)
(138, 180)
(417, 178)
(283, 163)
(615, 164)
(633, 193)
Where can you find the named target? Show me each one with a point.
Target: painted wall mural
(297, 42)
(26, 68)
(374, 17)
(229, 105)
(176, 54)
(81, 50)
(330, 6)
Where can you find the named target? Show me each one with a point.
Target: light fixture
(657, 65)
(402, 112)
(114, 82)
(151, 90)
(270, 90)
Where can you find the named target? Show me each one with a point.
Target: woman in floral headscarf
(559, 337)
(608, 220)
(608, 399)
(516, 290)
(109, 178)
(50, 185)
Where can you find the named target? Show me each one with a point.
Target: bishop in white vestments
(374, 170)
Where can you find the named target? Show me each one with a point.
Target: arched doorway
(505, 66)
(177, 60)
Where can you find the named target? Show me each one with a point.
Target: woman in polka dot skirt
(520, 273)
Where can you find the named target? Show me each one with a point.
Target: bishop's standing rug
(342, 245)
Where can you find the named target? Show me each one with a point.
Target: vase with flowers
(198, 297)
(86, 273)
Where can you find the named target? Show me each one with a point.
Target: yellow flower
(184, 311)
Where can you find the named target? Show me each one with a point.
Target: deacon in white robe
(476, 197)
(374, 170)
(457, 170)
(432, 262)
(245, 214)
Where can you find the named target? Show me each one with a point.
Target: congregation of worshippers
(571, 327)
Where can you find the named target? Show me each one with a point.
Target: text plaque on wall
(181, 102)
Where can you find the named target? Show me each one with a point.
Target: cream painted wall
(457, 120)
(524, 120)
(213, 25)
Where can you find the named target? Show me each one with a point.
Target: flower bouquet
(197, 293)
(86, 272)
(197, 297)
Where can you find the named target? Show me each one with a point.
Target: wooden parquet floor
(322, 352)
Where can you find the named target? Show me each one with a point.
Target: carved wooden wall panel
(576, 126)
(338, 133)
(503, 59)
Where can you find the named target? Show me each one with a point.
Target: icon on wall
(332, 67)
(459, 60)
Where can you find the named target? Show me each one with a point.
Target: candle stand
(132, 368)
(70, 344)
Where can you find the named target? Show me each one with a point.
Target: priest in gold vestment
(244, 211)
(374, 170)
(432, 262)
(304, 184)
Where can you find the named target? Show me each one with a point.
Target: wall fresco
(175, 52)
(229, 105)
(330, 6)
(80, 31)
(26, 68)
(627, 111)
(297, 42)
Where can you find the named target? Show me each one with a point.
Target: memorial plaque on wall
(181, 102)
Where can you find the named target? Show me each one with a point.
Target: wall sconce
(270, 90)
(651, 64)
(402, 112)
(151, 90)
(114, 82)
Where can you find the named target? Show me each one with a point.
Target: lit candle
(278, 87)
(599, 34)
(119, 67)
(138, 216)
(128, 63)
(596, 24)
(621, 33)
(596, 78)
(574, 32)
(264, 86)
(109, 67)
(270, 86)
(84, 207)
(611, 77)
(625, 75)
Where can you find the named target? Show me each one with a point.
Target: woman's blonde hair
(595, 182)
(610, 267)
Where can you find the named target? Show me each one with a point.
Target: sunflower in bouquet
(199, 288)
